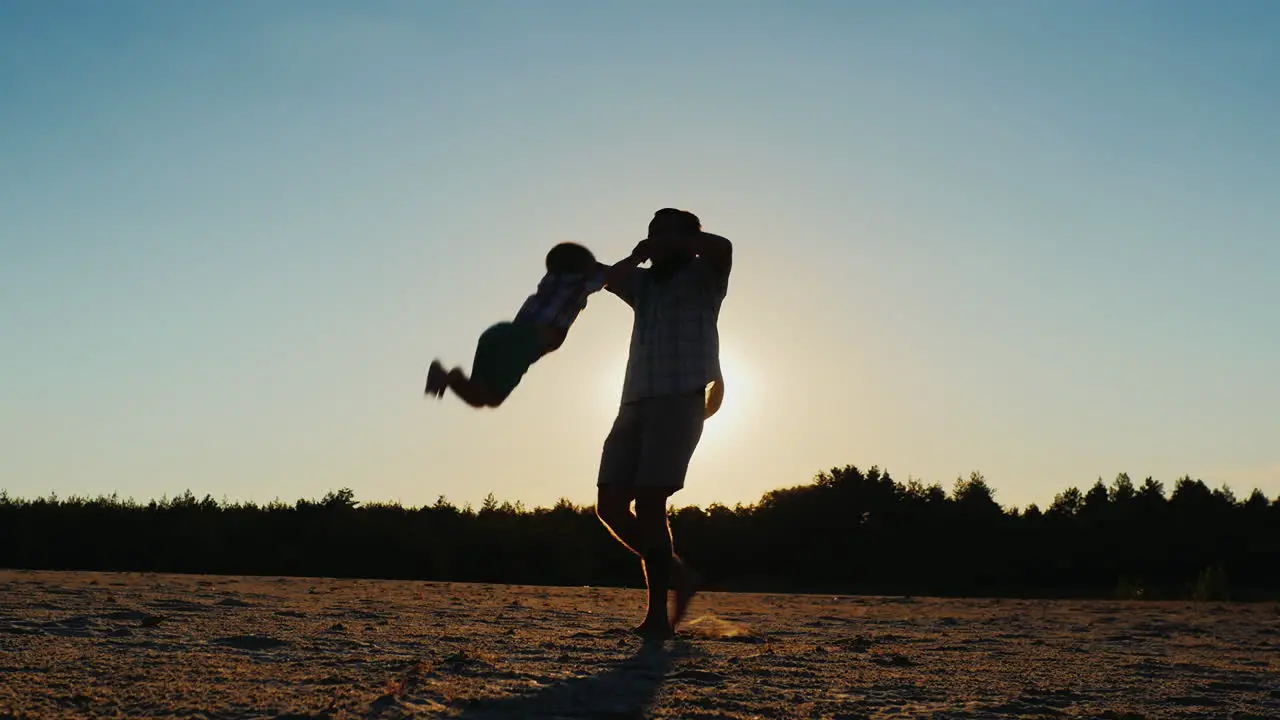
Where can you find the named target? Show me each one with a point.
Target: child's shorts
(503, 355)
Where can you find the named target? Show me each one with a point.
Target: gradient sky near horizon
(1037, 240)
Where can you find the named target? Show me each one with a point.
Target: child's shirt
(559, 299)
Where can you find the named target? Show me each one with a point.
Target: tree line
(847, 531)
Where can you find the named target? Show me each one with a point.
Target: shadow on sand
(624, 691)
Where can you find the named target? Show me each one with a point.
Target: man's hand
(619, 278)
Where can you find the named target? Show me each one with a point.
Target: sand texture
(171, 646)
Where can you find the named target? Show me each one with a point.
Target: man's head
(671, 233)
(570, 258)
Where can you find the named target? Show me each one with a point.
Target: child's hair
(567, 258)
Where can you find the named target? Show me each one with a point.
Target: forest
(848, 531)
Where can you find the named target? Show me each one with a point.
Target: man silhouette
(674, 357)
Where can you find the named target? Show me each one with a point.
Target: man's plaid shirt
(559, 299)
(675, 341)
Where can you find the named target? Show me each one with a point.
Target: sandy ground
(143, 645)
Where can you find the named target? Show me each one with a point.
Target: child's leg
(470, 391)
(503, 354)
(437, 379)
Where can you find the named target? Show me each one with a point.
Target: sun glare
(736, 405)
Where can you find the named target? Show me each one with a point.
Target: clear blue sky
(1038, 240)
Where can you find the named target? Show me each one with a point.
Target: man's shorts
(503, 355)
(652, 442)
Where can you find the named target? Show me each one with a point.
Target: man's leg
(647, 533)
(615, 483)
(685, 583)
(672, 429)
(654, 532)
(619, 462)
(613, 507)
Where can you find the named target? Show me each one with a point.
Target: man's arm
(717, 251)
(620, 278)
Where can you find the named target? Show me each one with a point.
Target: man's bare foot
(684, 583)
(437, 379)
(652, 629)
